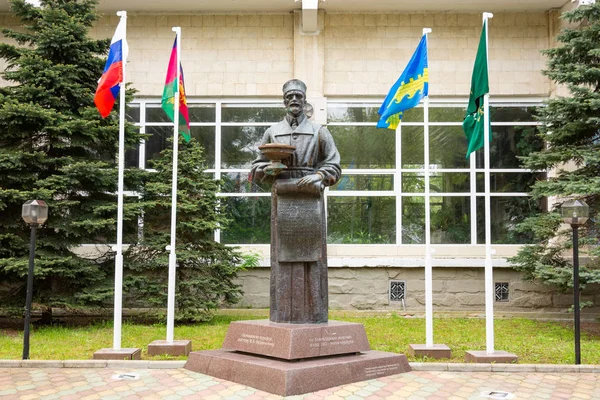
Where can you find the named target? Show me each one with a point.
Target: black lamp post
(575, 213)
(34, 213)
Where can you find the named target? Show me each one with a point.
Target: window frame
(396, 173)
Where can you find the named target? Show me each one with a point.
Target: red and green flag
(473, 124)
(168, 97)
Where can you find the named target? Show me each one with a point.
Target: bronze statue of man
(298, 224)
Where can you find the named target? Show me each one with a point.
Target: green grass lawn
(537, 342)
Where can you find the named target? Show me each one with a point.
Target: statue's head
(294, 96)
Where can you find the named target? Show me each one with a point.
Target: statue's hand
(309, 179)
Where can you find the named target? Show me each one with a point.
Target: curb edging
(138, 364)
(416, 366)
(508, 368)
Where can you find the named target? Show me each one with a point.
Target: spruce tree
(571, 129)
(54, 146)
(206, 269)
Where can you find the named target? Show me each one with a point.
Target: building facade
(236, 56)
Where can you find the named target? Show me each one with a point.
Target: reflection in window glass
(205, 135)
(132, 158)
(439, 182)
(516, 182)
(344, 113)
(252, 114)
(160, 138)
(413, 182)
(237, 182)
(365, 182)
(201, 112)
(132, 113)
(412, 147)
(510, 114)
(447, 114)
(155, 113)
(240, 145)
(413, 115)
(357, 113)
(450, 218)
(365, 147)
(448, 147)
(508, 143)
(506, 213)
(413, 220)
(157, 141)
(250, 220)
(132, 154)
(361, 220)
(450, 182)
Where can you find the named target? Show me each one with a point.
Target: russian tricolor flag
(112, 77)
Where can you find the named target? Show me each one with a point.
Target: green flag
(473, 124)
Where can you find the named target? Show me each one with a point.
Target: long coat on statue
(298, 224)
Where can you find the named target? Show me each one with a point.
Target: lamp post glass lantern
(575, 213)
(34, 213)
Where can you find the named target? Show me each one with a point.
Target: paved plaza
(122, 380)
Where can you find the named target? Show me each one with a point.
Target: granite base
(437, 351)
(175, 348)
(287, 378)
(118, 354)
(296, 341)
(482, 356)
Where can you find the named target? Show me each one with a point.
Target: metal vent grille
(397, 291)
(501, 290)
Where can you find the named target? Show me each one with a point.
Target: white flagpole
(118, 306)
(171, 248)
(428, 261)
(489, 275)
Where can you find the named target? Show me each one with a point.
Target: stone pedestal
(296, 341)
(120, 354)
(292, 359)
(176, 348)
(482, 356)
(437, 351)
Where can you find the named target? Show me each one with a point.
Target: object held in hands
(276, 152)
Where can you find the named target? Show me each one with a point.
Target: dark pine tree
(206, 269)
(571, 129)
(54, 146)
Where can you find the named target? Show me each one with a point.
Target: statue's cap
(294, 84)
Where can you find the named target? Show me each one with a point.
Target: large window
(380, 198)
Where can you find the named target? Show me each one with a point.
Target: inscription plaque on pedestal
(296, 341)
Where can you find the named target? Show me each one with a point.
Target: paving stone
(97, 383)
